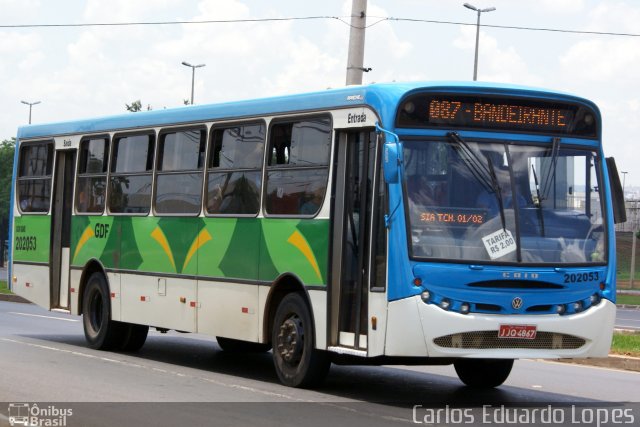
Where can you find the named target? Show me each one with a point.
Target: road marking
(336, 405)
(45, 317)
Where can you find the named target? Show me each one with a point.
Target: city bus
(403, 223)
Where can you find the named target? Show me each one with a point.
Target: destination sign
(494, 113)
(453, 217)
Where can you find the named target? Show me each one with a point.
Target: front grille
(490, 340)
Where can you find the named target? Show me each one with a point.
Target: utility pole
(355, 59)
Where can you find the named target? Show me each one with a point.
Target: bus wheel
(239, 346)
(483, 373)
(297, 362)
(100, 331)
(134, 337)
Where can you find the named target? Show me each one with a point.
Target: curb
(614, 361)
(628, 306)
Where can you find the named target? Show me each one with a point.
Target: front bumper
(450, 334)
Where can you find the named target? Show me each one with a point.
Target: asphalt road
(628, 319)
(187, 380)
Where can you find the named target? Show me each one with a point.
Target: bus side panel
(157, 301)
(296, 247)
(228, 310)
(228, 250)
(31, 241)
(153, 255)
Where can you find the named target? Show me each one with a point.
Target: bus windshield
(503, 202)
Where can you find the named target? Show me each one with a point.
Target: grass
(3, 288)
(623, 255)
(628, 299)
(626, 343)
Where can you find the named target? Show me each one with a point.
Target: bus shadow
(392, 386)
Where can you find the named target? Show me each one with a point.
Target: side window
(235, 170)
(131, 174)
(92, 175)
(34, 177)
(179, 171)
(298, 166)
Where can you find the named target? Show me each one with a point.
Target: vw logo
(516, 303)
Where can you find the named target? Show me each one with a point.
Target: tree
(7, 149)
(135, 106)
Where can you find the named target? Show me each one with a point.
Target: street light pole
(193, 75)
(624, 179)
(479, 11)
(30, 104)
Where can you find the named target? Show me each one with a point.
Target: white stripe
(46, 317)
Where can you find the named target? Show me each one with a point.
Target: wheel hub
(290, 340)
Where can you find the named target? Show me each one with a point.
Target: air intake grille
(490, 340)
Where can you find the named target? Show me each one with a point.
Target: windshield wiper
(486, 175)
(471, 161)
(550, 176)
(498, 191)
(539, 204)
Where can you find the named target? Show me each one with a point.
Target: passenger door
(61, 227)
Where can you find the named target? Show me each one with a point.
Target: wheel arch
(282, 286)
(92, 266)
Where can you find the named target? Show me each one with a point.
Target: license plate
(522, 332)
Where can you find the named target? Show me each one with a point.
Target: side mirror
(391, 162)
(617, 196)
(391, 156)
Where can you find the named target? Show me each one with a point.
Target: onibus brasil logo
(26, 414)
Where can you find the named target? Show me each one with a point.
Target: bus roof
(383, 97)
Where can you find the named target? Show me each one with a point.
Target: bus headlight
(560, 309)
(595, 299)
(426, 296)
(445, 304)
(577, 306)
(464, 308)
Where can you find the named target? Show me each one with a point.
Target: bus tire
(134, 337)
(298, 363)
(238, 346)
(483, 373)
(100, 331)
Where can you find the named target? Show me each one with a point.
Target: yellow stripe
(297, 240)
(86, 235)
(159, 237)
(202, 238)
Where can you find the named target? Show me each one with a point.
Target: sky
(82, 72)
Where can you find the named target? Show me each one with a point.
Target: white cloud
(561, 6)
(496, 63)
(18, 42)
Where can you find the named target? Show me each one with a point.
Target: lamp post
(624, 179)
(193, 75)
(30, 104)
(479, 11)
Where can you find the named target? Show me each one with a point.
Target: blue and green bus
(421, 223)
